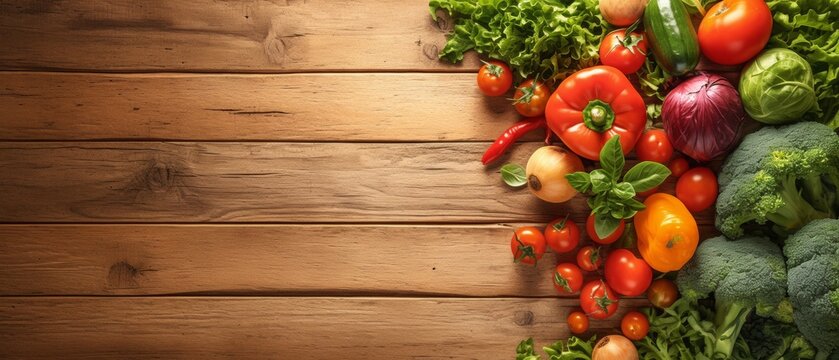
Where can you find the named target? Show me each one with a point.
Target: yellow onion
(546, 172)
(622, 12)
(614, 347)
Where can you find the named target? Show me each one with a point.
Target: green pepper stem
(598, 116)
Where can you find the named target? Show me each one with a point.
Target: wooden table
(257, 179)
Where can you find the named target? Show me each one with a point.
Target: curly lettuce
(811, 29)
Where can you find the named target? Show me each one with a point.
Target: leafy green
(811, 29)
(525, 350)
(536, 38)
(572, 349)
(548, 39)
(513, 175)
(684, 331)
(613, 200)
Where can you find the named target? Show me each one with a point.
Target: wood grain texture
(285, 328)
(205, 35)
(265, 182)
(290, 107)
(373, 260)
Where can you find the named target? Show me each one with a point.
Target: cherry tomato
(495, 78)
(697, 188)
(590, 258)
(607, 240)
(626, 53)
(598, 300)
(568, 278)
(635, 325)
(734, 31)
(662, 293)
(530, 98)
(678, 166)
(528, 245)
(577, 322)
(562, 235)
(627, 274)
(654, 146)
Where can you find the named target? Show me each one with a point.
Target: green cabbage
(777, 87)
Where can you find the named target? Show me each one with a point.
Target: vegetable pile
(748, 95)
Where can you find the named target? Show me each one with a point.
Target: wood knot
(523, 318)
(123, 276)
(157, 177)
(431, 51)
(444, 22)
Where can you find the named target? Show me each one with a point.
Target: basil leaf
(580, 181)
(611, 158)
(634, 204)
(605, 224)
(623, 191)
(600, 181)
(513, 175)
(646, 175)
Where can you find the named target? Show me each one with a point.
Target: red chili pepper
(510, 136)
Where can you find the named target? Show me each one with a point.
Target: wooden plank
(371, 260)
(290, 107)
(246, 36)
(265, 182)
(286, 328)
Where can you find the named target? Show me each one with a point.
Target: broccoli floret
(744, 275)
(787, 175)
(813, 265)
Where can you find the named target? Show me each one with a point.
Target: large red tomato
(598, 300)
(697, 188)
(734, 31)
(627, 274)
(626, 53)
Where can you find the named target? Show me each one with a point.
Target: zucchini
(671, 36)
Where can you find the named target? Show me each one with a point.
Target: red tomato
(734, 31)
(528, 245)
(577, 322)
(635, 325)
(590, 258)
(626, 53)
(697, 188)
(627, 274)
(531, 98)
(678, 166)
(607, 240)
(662, 293)
(494, 78)
(568, 278)
(654, 146)
(598, 300)
(562, 235)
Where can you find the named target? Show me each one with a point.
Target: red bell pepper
(593, 105)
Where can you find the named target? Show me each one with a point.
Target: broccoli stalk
(796, 210)
(745, 275)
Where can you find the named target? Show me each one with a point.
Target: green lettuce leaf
(811, 29)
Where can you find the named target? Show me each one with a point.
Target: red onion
(702, 116)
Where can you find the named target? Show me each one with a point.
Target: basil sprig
(610, 198)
